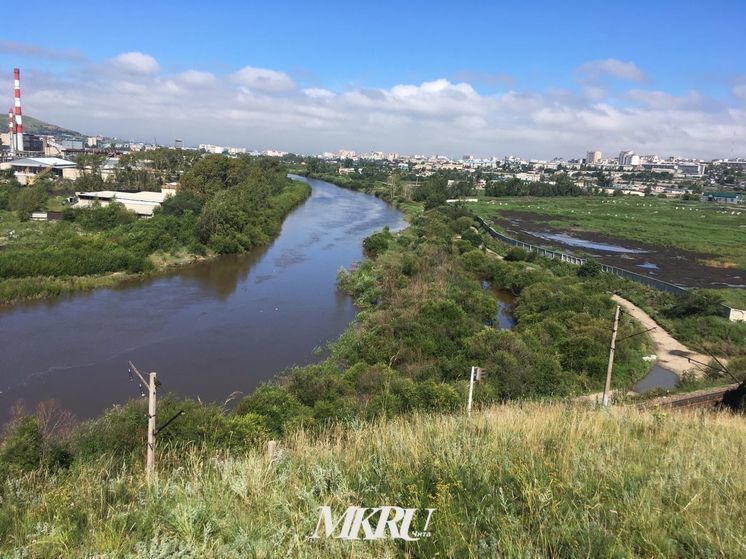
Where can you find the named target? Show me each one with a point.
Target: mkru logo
(363, 523)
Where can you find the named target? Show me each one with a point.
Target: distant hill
(35, 126)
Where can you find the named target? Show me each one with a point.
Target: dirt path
(671, 354)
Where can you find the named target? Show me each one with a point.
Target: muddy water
(207, 329)
(677, 266)
(658, 377)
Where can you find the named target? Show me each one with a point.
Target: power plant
(15, 116)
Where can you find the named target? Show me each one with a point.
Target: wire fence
(730, 313)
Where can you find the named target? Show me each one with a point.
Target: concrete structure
(593, 157)
(142, 203)
(25, 169)
(691, 168)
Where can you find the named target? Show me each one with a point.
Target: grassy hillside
(525, 480)
(35, 126)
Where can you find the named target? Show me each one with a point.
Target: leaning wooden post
(612, 349)
(150, 462)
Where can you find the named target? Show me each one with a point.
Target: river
(208, 329)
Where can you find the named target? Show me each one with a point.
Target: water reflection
(209, 328)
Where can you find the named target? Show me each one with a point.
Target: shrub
(516, 254)
(589, 269)
(695, 303)
(22, 449)
(377, 242)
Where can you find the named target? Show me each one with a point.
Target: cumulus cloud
(264, 108)
(613, 68)
(136, 63)
(263, 79)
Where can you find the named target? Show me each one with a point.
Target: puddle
(658, 377)
(569, 240)
(648, 266)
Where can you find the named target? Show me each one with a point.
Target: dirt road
(671, 354)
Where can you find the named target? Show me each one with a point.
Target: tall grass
(526, 480)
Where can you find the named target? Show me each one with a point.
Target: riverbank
(243, 317)
(379, 189)
(51, 253)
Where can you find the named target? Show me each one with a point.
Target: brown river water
(208, 329)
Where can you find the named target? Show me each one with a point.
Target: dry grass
(526, 480)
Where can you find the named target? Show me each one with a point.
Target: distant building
(723, 197)
(593, 157)
(142, 203)
(691, 168)
(28, 167)
(628, 158)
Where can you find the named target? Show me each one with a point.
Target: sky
(534, 79)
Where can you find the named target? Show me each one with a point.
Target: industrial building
(142, 203)
(28, 168)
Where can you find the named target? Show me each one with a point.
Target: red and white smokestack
(11, 129)
(19, 117)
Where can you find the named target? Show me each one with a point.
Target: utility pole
(476, 374)
(150, 463)
(150, 385)
(612, 349)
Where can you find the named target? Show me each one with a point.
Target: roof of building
(146, 197)
(722, 194)
(42, 162)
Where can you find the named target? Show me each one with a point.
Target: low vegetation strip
(529, 480)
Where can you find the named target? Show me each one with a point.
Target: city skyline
(550, 83)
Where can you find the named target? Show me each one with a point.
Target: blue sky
(552, 56)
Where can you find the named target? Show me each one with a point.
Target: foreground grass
(514, 481)
(690, 225)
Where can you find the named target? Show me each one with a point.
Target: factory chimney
(19, 118)
(11, 129)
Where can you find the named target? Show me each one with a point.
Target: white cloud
(195, 78)
(318, 93)
(663, 100)
(611, 67)
(263, 79)
(740, 92)
(136, 63)
(35, 51)
(263, 108)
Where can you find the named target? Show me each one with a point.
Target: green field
(692, 225)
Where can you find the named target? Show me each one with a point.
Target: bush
(516, 254)
(181, 203)
(22, 449)
(472, 237)
(277, 407)
(377, 242)
(695, 303)
(28, 200)
(589, 269)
